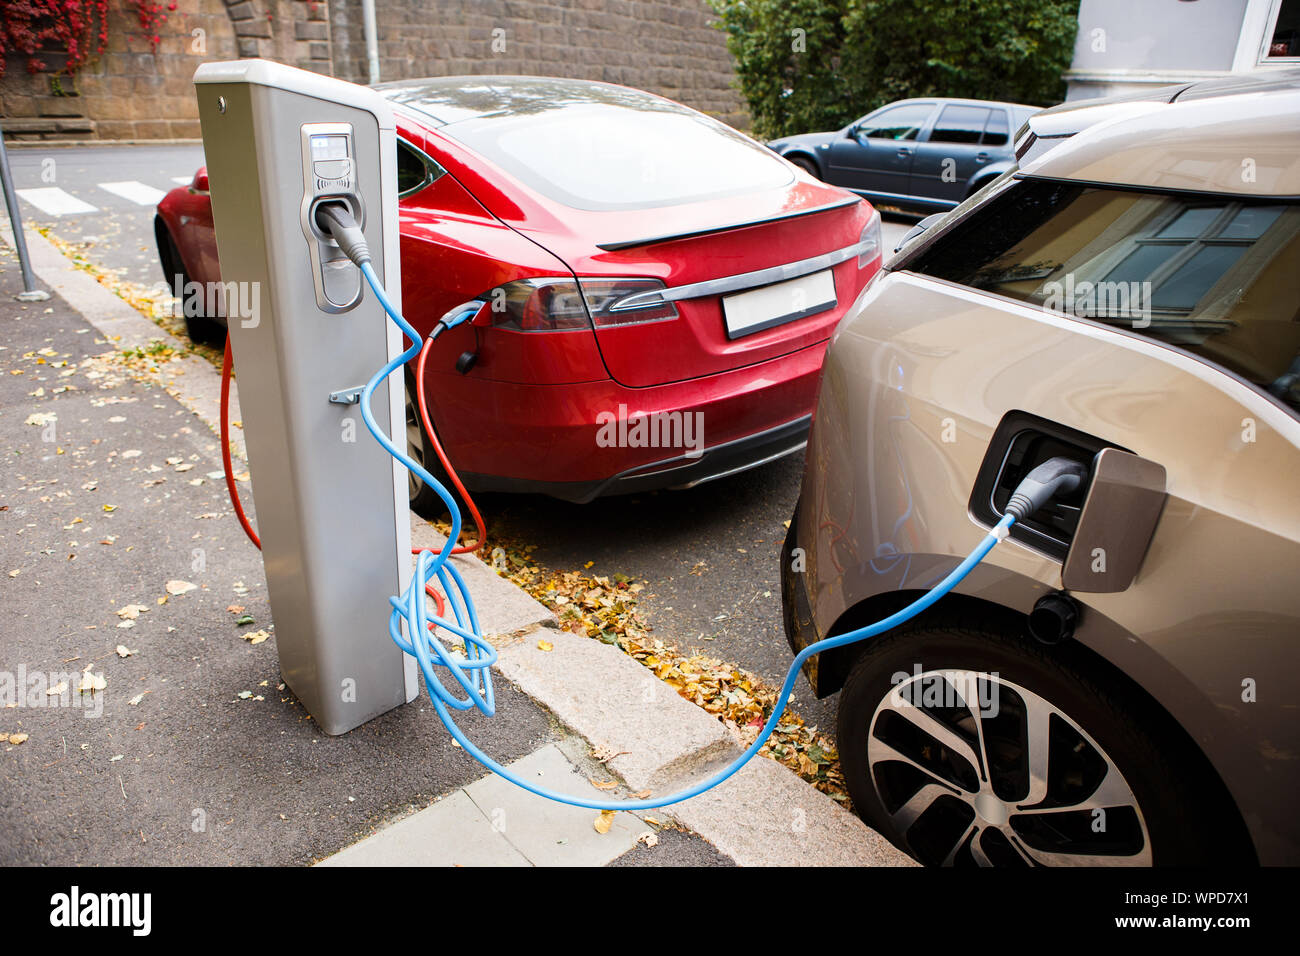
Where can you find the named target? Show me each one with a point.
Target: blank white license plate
(748, 312)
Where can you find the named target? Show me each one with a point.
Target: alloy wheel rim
(973, 769)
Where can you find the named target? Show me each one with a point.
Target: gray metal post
(30, 293)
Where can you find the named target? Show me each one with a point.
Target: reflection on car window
(899, 123)
(996, 133)
(961, 124)
(413, 170)
(1217, 276)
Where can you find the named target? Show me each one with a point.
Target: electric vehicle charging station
(332, 504)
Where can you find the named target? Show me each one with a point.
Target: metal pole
(30, 293)
(372, 39)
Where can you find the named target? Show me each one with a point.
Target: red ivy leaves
(151, 18)
(78, 28)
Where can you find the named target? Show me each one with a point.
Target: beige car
(1114, 683)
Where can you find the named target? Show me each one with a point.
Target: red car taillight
(551, 305)
(606, 299)
(538, 305)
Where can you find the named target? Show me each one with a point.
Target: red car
(662, 288)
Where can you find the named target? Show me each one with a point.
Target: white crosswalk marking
(53, 201)
(182, 180)
(135, 192)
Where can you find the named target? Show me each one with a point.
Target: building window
(1284, 35)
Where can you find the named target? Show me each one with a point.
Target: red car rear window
(640, 154)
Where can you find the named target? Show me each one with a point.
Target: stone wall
(669, 47)
(132, 91)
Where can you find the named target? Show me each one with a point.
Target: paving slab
(492, 822)
(452, 832)
(618, 704)
(550, 833)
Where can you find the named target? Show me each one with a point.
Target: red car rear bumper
(567, 440)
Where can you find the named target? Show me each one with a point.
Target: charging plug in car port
(1059, 517)
(317, 223)
(1021, 443)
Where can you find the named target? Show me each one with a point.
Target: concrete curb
(767, 816)
(620, 706)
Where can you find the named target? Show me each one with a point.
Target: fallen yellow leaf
(603, 822)
(545, 646)
(91, 682)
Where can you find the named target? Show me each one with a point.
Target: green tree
(807, 65)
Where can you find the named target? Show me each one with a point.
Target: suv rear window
(1218, 276)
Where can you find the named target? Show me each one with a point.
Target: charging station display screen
(329, 147)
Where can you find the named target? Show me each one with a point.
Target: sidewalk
(200, 757)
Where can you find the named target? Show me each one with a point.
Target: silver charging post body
(331, 503)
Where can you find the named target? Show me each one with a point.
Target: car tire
(202, 329)
(807, 165)
(909, 770)
(424, 501)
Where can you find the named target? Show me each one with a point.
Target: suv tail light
(556, 304)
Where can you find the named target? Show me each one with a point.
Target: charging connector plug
(1053, 478)
(336, 220)
(457, 316)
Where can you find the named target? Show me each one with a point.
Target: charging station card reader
(328, 175)
(331, 503)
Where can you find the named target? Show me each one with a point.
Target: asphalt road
(120, 185)
(709, 555)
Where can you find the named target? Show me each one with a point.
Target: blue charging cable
(471, 671)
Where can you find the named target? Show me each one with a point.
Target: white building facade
(1126, 46)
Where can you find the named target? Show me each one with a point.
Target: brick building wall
(132, 91)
